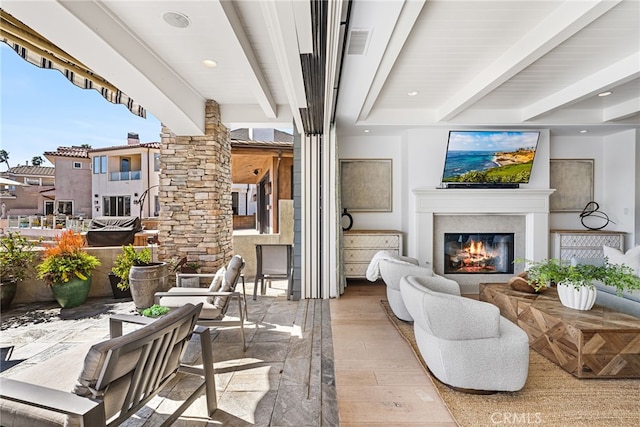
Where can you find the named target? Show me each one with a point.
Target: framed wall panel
(366, 185)
(573, 182)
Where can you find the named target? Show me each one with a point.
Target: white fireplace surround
(533, 204)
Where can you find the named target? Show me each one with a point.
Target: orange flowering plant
(66, 259)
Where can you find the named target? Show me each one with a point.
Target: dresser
(584, 243)
(361, 245)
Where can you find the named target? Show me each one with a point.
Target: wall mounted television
(489, 158)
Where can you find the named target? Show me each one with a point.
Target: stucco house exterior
(72, 182)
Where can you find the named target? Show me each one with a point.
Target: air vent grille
(358, 41)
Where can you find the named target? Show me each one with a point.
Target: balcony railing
(125, 176)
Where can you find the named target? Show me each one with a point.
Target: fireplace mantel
(532, 203)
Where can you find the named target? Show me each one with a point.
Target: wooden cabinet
(584, 243)
(361, 245)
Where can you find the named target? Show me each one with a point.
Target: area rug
(550, 397)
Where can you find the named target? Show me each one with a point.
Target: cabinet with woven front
(584, 243)
(361, 245)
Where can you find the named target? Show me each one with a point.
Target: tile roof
(125, 146)
(77, 152)
(235, 143)
(31, 171)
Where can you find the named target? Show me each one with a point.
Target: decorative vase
(117, 292)
(145, 281)
(73, 293)
(7, 294)
(580, 298)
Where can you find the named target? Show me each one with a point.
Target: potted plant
(575, 283)
(184, 266)
(67, 268)
(16, 263)
(140, 274)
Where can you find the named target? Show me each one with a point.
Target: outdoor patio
(287, 377)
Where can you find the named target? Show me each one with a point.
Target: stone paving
(284, 378)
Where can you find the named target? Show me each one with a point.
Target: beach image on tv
(490, 156)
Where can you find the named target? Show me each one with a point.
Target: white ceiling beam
(256, 78)
(616, 74)
(89, 33)
(281, 26)
(252, 116)
(564, 22)
(406, 20)
(621, 111)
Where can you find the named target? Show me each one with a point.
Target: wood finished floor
(379, 381)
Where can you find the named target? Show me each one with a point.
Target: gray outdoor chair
(273, 261)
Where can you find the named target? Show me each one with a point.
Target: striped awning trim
(40, 52)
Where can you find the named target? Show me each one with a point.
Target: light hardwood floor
(379, 381)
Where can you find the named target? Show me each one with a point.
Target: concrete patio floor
(287, 377)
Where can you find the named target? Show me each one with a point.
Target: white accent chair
(465, 342)
(392, 270)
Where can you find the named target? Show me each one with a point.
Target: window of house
(65, 207)
(156, 162)
(48, 207)
(234, 202)
(116, 206)
(103, 164)
(77, 165)
(96, 164)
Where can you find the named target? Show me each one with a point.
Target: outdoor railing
(125, 176)
(51, 222)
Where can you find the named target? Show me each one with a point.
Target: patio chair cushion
(216, 283)
(209, 311)
(230, 280)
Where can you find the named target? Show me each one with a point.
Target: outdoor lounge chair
(118, 377)
(215, 300)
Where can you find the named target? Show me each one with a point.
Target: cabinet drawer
(363, 255)
(352, 270)
(584, 240)
(372, 241)
(567, 254)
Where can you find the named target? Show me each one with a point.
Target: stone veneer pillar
(196, 216)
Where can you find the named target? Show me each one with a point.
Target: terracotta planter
(73, 293)
(145, 281)
(7, 293)
(581, 298)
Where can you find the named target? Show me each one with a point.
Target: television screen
(490, 157)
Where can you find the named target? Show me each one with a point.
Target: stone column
(196, 216)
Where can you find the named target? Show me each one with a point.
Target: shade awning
(39, 51)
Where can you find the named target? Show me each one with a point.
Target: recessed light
(367, 131)
(413, 93)
(607, 93)
(584, 131)
(176, 19)
(210, 63)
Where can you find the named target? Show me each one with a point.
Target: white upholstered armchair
(464, 342)
(392, 270)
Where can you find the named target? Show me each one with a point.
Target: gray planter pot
(145, 281)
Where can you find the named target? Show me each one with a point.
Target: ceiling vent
(358, 41)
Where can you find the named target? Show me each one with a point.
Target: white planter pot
(581, 298)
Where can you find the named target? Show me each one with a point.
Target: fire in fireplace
(478, 253)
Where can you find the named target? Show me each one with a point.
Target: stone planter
(73, 293)
(145, 281)
(581, 298)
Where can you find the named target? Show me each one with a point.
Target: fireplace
(473, 253)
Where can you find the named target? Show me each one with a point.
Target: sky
(41, 110)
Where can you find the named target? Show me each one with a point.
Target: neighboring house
(125, 179)
(261, 172)
(72, 195)
(35, 197)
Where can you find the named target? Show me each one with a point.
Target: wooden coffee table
(598, 343)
